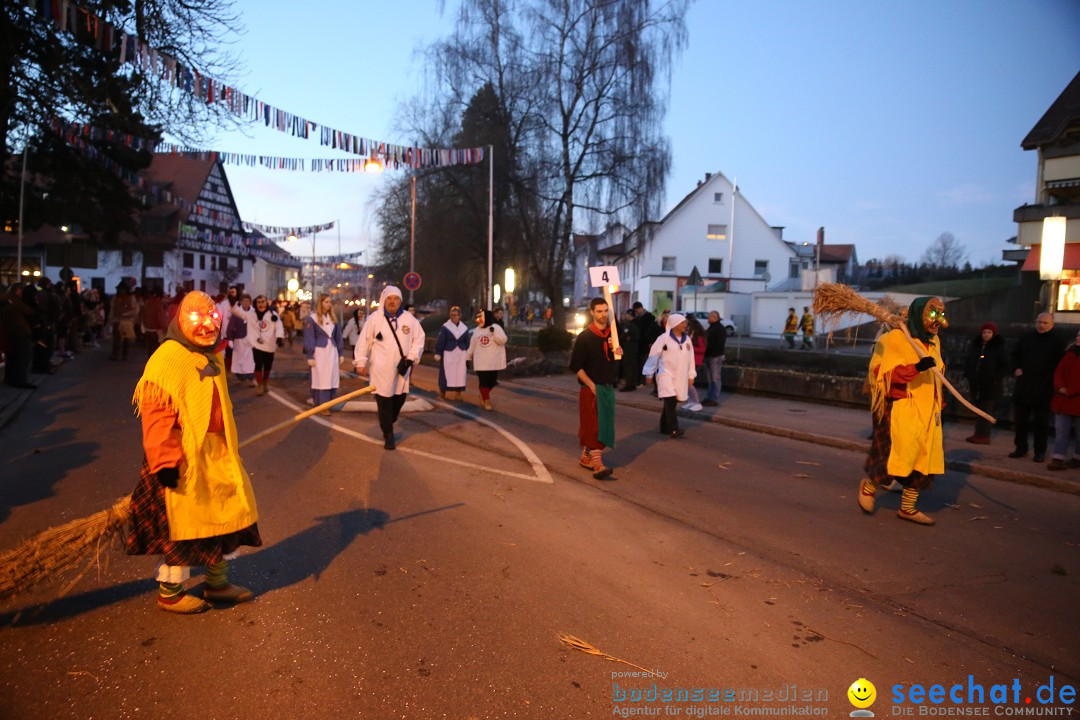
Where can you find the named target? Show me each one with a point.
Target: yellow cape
(214, 494)
(915, 424)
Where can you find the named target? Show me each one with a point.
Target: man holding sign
(595, 358)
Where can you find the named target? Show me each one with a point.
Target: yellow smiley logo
(862, 693)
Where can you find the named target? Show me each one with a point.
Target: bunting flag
(92, 30)
(284, 232)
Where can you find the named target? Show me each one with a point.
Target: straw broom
(832, 301)
(59, 549)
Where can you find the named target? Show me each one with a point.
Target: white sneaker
(696, 407)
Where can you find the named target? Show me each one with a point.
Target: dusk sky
(887, 122)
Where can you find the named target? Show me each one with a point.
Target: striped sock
(217, 575)
(868, 487)
(170, 592)
(907, 500)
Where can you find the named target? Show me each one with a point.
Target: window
(240, 264)
(154, 257)
(125, 257)
(718, 198)
(189, 260)
(761, 268)
(716, 266)
(716, 232)
(213, 262)
(793, 270)
(667, 264)
(202, 261)
(202, 285)
(223, 263)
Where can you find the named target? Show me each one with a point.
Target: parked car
(703, 318)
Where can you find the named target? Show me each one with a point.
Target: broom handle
(308, 413)
(921, 353)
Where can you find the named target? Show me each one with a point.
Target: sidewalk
(839, 427)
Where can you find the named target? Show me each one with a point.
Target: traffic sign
(412, 281)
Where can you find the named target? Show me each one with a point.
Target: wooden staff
(611, 319)
(833, 300)
(307, 413)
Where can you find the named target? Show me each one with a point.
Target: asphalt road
(433, 581)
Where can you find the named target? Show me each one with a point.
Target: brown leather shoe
(232, 594)
(915, 517)
(184, 605)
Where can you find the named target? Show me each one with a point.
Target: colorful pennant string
(91, 29)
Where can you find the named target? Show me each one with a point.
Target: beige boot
(184, 605)
(915, 517)
(599, 470)
(585, 461)
(866, 495)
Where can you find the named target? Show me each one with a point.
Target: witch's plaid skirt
(148, 530)
(877, 460)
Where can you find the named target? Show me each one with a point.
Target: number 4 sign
(604, 276)
(607, 276)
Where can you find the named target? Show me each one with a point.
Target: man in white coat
(387, 350)
(671, 357)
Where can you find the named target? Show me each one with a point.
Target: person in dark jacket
(715, 343)
(16, 317)
(987, 364)
(1034, 359)
(648, 331)
(1066, 406)
(630, 337)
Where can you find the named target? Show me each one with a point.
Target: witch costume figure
(194, 504)
(451, 346)
(906, 399)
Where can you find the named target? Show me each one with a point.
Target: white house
(716, 230)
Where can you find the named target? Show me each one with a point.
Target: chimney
(821, 236)
(707, 176)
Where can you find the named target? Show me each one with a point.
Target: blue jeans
(1064, 428)
(712, 367)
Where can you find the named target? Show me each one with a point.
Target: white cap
(674, 319)
(387, 292)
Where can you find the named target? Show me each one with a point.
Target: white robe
(377, 353)
(243, 360)
(673, 364)
(453, 360)
(326, 375)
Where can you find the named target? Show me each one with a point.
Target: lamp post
(1052, 255)
(491, 216)
(22, 195)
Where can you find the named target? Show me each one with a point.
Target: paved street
(433, 581)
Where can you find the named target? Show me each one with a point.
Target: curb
(974, 468)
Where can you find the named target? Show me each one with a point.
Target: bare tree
(944, 253)
(49, 75)
(580, 105)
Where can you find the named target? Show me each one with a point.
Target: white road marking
(542, 475)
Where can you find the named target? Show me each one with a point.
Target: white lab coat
(487, 348)
(243, 360)
(377, 352)
(673, 364)
(268, 330)
(325, 374)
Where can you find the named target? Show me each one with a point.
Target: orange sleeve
(161, 436)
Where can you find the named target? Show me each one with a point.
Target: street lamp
(509, 278)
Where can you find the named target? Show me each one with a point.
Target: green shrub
(553, 339)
